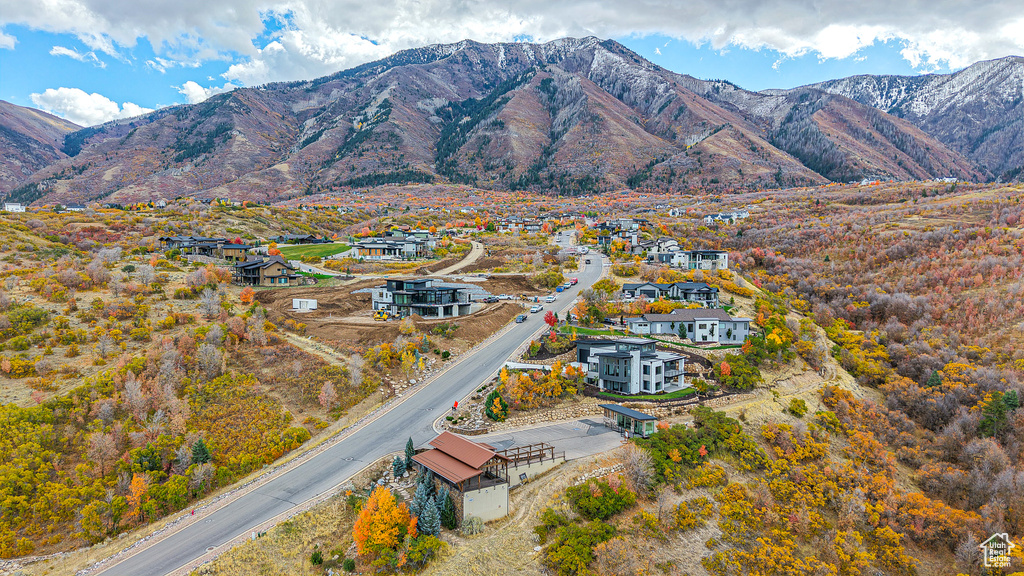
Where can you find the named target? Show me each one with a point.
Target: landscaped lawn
(677, 394)
(317, 250)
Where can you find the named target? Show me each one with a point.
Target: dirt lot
(344, 317)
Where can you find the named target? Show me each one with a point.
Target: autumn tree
(382, 526)
(247, 296)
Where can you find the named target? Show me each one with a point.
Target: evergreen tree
(410, 451)
(448, 518)
(424, 493)
(429, 521)
(439, 498)
(933, 380)
(398, 466)
(1011, 400)
(200, 453)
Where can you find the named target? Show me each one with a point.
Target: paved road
(412, 418)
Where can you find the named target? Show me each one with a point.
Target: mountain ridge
(571, 116)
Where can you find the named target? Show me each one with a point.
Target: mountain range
(572, 116)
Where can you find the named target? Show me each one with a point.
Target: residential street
(413, 417)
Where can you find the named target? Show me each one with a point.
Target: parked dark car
(608, 321)
(491, 299)
(521, 318)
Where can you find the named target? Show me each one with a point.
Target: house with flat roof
(259, 271)
(630, 366)
(14, 207)
(423, 296)
(692, 259)
(628, 421)
(701, 325)
(396, 248)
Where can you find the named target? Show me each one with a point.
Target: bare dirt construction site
(344, 314)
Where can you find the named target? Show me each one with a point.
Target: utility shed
(629, 421)
(303, 304)
(475, 473)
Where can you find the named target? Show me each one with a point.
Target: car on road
(584, 249)
(536, 308)
(550, 298)
(567, 285)
(504, 296)
(588, 260)
(521, 318)
(490, 299)
(574, 281)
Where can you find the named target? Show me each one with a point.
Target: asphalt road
(388, 433)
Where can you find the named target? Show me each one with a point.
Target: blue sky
(95, 60)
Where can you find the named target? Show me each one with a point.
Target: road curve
(319, 474)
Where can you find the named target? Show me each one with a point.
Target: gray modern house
(630, 366)
(423, 296)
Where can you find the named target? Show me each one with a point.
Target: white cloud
(7, 41)
(75, 54)
(194, 93)
(83, 108)
(323, 36)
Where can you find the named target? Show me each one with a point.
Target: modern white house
(14, 207)
(630, 366)
(692, 259)
(701, 325)
(408, 248)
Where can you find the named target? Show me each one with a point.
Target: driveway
(577, 438)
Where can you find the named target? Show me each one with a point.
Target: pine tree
(429, 521)
(448, 518)
(439, 497)
(424, 493)
(933, 380)
(410, 451)
(200, 453)
(398, 466)
(1011, 400)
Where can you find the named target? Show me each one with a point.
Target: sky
(91, 61)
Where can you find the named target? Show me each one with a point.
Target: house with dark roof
(630, 366)
(234, 252)
(298, 239)
(259, 271)
(628, 421)
(701, 325)
(698, 292)
(476, 474)
(423, 296)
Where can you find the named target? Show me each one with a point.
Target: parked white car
(536, 308)
(551, 298)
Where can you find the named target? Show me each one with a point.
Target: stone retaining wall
(587, 407)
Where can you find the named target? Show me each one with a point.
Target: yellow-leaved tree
(382, 526)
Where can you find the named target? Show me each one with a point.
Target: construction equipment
(381, 315)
